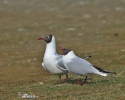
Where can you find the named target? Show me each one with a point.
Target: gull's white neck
(51, 47)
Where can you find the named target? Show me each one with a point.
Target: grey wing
(80, 66)
(60, 65)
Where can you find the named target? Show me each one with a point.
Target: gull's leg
(66, 77)
(59, 79)
(79, 80)
(84, 81)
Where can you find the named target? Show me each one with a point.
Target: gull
(51, 57)
(80, 66)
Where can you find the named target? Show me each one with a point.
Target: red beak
(40, 39)
(61, 48)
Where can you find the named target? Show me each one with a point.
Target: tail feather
(104, 71)
(87, 57)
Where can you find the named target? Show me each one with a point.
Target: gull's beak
(40, 39)
(61, 48)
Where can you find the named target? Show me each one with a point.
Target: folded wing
(60, 65)
(81, 67)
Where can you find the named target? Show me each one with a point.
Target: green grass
(97, 87)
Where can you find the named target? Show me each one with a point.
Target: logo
(26, 96)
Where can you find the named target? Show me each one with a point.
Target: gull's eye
(65, 50)
(47, 36)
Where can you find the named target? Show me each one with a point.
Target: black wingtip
(104, 71)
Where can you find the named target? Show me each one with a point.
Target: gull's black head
(65, 51)
(47, 38)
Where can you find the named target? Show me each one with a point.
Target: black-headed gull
(80, 66)
(51, 57)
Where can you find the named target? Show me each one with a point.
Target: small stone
(118, 8)
(80, 34)
(41, 83)
(103, 21)
(87, 16)
(71, 29)
(34, 58)
(59, 85)
(22, 30)
(123, 50)
(5, 2)
(28, 60)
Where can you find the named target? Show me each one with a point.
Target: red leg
(59, 80)
(79, 80)
(84, 81)
(66, 78)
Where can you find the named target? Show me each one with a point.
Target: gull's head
(65, 51)
(47, 38)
